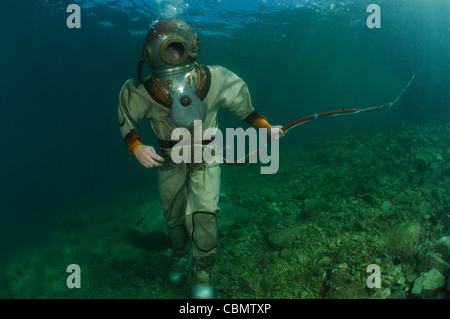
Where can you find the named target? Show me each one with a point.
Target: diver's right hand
(147, 156)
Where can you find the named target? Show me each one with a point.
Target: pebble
(411, 278)
(325, 260)
(438, 156)
(383, 293)
(433, 260)
(398, 295)
(342, 266)
(401, 281)
(342, 255)
(428, 284)
(422, 160)
(443, 247)
(386, 208)
(397, 269)
(283, 238)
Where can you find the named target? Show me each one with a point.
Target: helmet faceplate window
(174, 50)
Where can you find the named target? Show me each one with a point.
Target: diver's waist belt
(170, 144)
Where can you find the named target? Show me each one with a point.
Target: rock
(428, 284)
(371, 200)
(437, 156)
(284, 238)
(312, 208)
(443, 247)
(386, 206)
(411, 278)
(396, 270)
(341, 287)
(398, 294)
(231, 216)
(342, 266)
(382, 293)
(325, 260)
(433, 260)
(250, 285)
(386, 283)
(422, 160)
(437, 170)
(342, 255)
(402, 241)
(424, 208)
(401, 281)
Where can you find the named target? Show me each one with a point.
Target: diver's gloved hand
(277, 132)
(147, 156)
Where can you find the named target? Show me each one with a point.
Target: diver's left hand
(277, 132)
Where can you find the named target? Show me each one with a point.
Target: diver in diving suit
(188, 192)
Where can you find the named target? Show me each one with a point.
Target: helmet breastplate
(177, 78)
(180, 84)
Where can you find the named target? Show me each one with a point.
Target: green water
(350, 191)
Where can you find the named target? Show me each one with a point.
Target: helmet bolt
(185, 101)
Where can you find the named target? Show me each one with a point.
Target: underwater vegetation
(309, 231)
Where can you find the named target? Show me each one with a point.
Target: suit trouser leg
(190, 216)
(173, 197)
(202, 209)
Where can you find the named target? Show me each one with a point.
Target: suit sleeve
(131, 110)
(236, 98)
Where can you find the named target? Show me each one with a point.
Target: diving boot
(179, 271)
(201, 281)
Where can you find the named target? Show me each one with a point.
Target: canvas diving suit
(189, 194)
(188, 214)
